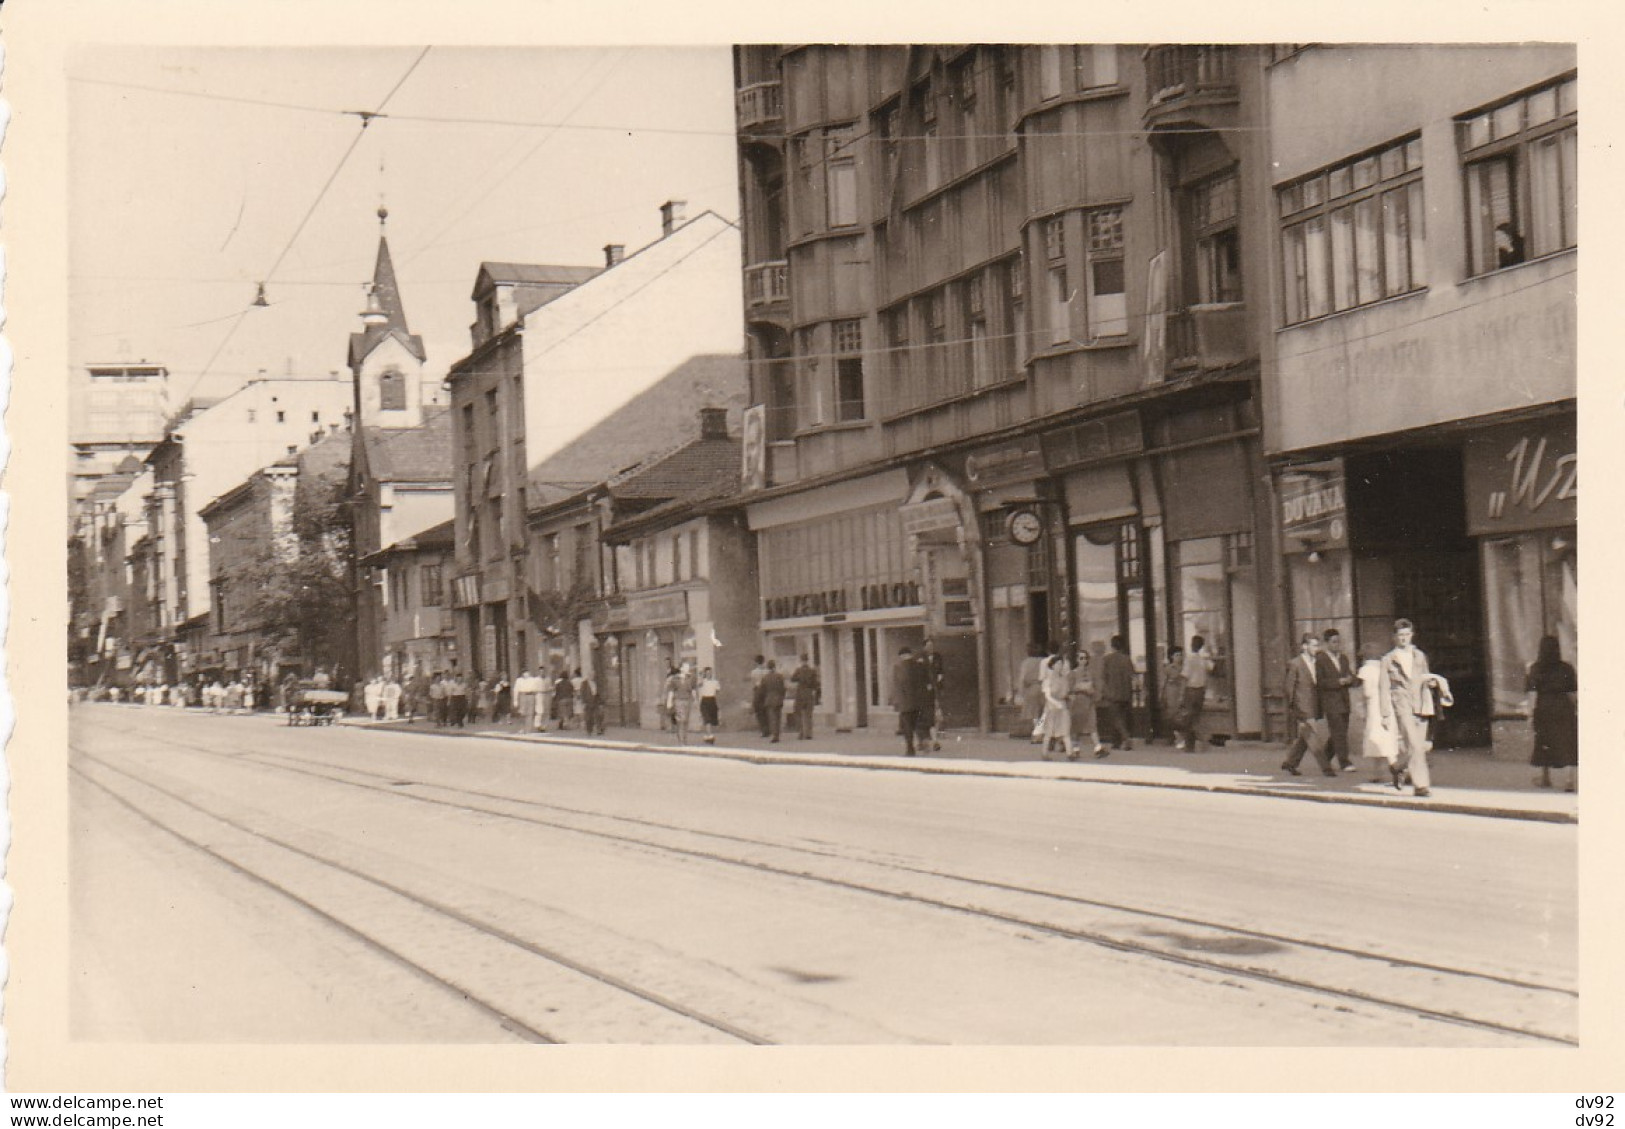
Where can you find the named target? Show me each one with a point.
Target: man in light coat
(1404, 693)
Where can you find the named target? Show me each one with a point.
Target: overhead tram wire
(366, 120)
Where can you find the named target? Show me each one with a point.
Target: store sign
(654, 611)
(840, 601)
(1524, 477)
(930, 515)
(1314, 507)
(610, 617)
(1021, 461)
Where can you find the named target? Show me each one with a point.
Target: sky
(186, 191)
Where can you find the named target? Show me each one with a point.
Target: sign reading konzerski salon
(1314, 507)
(1523, 476)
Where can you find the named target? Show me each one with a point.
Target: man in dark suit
(1303, 708)
(1334, 674)
(1116, 695)
(772, 690)
(806, 683)
(909, 694)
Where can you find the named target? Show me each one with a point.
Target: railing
(1179, 71)
(767, 284)
(760, 103)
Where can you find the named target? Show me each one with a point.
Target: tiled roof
(697, 468)
(435, 537)
(534, 274)
(679, 508)
(648, 426)
(412, 454)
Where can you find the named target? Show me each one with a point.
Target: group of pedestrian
(917, 681)
(382, 698)
(1071, 707)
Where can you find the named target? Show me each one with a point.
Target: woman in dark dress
(1557, 730)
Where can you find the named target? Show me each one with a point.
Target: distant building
(207, 450)
(250, 531)
(1422, 377)
(416, 632)
(108, 522)
(119, 409)
(535, 385)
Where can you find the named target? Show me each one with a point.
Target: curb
(982, 769)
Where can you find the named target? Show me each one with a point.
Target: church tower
(386, 358)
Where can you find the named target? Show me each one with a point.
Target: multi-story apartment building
(536, 384)
(106, 525)
(1421, 391)
(206, 451)
(250, 530)
(1004, 346)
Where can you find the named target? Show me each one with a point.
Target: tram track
(369, 935)
(1516, 1007)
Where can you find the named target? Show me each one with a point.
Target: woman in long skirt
(1557, 728)
(1057, 720)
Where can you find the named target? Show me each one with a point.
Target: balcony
(759, 105)
(1183, 76)
(1208, 337)
(767, 289)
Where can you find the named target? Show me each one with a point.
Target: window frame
(1514, 150)
(846, 337)
(1316, 240)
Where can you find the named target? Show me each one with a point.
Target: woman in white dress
(1056, 724)
(1379, 744)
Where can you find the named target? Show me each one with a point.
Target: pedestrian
(373, 698)
(1304, 719)
(1552, 685)
(1378, 743)
(1197, 669)
(579, 703)
(805, 686)
(1030, 678)
(392, 698)
(708, 690)
(1116, 695)
(525, 689)
(1171, 693)
(564, 700)
(935, 673)
(437, 699)
(592, 704)
(1057, 720)
(456, 700)
(908, 681)
(1081, 706)
(504, 698)
(772, 688)
(1407, 700)
(757, 706)
(1333, 677)
(680, 700)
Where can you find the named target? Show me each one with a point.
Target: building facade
(1422, 399)
(1005, 357)
(250, 529)
(119, 410)
(535, 387)
(415, 631)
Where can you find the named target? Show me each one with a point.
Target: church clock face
(1025, 527)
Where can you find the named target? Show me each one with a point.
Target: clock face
(1025, 528)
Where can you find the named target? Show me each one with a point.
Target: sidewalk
(1464, 782)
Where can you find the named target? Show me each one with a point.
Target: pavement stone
(1465, 782)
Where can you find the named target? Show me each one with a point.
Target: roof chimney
(713, 423)
(671, 214)
(614, 253)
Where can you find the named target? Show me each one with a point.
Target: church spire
(385, 293)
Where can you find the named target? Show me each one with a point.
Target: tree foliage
(299, 594)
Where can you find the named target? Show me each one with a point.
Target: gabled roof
(435, 537)
(411, 454)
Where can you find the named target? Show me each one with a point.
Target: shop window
(1108, 303)
(1352, 234)
(848, 370)
(1201, 586)
(1215, 212)
(1519, 160)
(1531, 587)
